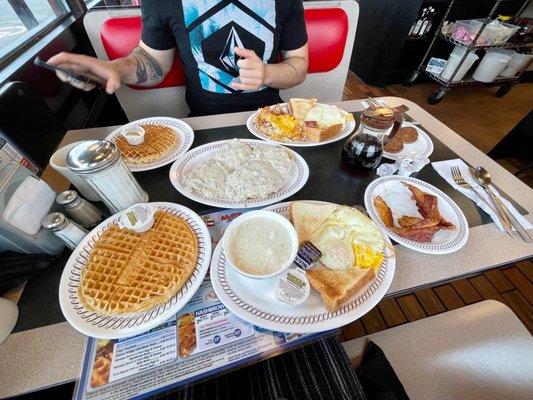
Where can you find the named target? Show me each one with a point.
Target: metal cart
(505, 84)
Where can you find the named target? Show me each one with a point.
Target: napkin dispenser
(44, 241)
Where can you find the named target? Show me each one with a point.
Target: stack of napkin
(28, 205)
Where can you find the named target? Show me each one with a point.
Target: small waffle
(133, 272)
(159, 140)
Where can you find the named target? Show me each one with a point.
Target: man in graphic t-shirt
(236, 54)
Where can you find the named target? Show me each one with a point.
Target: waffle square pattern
(131, 272)
(159, 140)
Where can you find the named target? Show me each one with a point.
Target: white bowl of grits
(260, 244)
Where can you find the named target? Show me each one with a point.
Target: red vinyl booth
(327, 29)
(330, 26)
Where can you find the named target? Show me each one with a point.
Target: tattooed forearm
(148, 70)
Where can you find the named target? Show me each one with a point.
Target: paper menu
(206, 324)
(203, 339)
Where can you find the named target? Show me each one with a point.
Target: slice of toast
(300, 107)
(321, 135)
(336, 287)
(307, 217)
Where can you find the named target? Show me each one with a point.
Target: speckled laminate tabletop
(51, 355)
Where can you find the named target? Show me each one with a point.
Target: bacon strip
(428, 206)
(419, 229)
(406, 221)
(423, 235)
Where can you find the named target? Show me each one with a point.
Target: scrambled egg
(286, 123)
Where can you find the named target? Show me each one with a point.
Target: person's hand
(252, 70)
(100, 71)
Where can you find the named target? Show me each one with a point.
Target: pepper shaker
(83, 212)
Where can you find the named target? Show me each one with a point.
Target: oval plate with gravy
(180, 174)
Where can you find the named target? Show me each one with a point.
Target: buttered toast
(307, 216)
(300, 107)
(337, 286)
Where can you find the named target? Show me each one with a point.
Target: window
(22, 20)
(112, 3)
(92, 3)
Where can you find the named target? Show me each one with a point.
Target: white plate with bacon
(416, 214)
(301, 123)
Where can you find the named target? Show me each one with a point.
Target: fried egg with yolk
(348, 238)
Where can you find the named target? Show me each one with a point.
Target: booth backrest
(331, 26)
(327, 29)
(120, 35)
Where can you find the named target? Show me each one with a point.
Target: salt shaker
(70, 232)
(99, 163)
(79, 209)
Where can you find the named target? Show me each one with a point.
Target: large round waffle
(131, 272)
(159, 140)
(114, 326)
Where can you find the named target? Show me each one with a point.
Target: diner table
(44, 350)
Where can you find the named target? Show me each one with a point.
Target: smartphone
(71, 74)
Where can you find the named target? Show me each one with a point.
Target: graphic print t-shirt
(206, 32)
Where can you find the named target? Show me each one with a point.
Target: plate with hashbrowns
(301, 123)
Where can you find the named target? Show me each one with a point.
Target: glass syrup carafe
(362, 152)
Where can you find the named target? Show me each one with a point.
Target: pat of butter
(293, 287)
(134, 135)
(138, 218)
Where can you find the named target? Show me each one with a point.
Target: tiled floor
(511, 284)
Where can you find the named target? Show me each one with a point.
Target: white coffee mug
(58, 161)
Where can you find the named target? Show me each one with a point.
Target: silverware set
(504, 215)
(482, 177)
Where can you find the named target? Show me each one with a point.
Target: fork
(458, 178)
(383, 103)
(374, 102)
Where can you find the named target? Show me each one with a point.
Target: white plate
(198, 155)
(182, 130)
(106, 327)
(348, 129)
(423, 145)
(254, 299)
(398, 198)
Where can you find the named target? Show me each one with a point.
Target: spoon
(484, 179)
